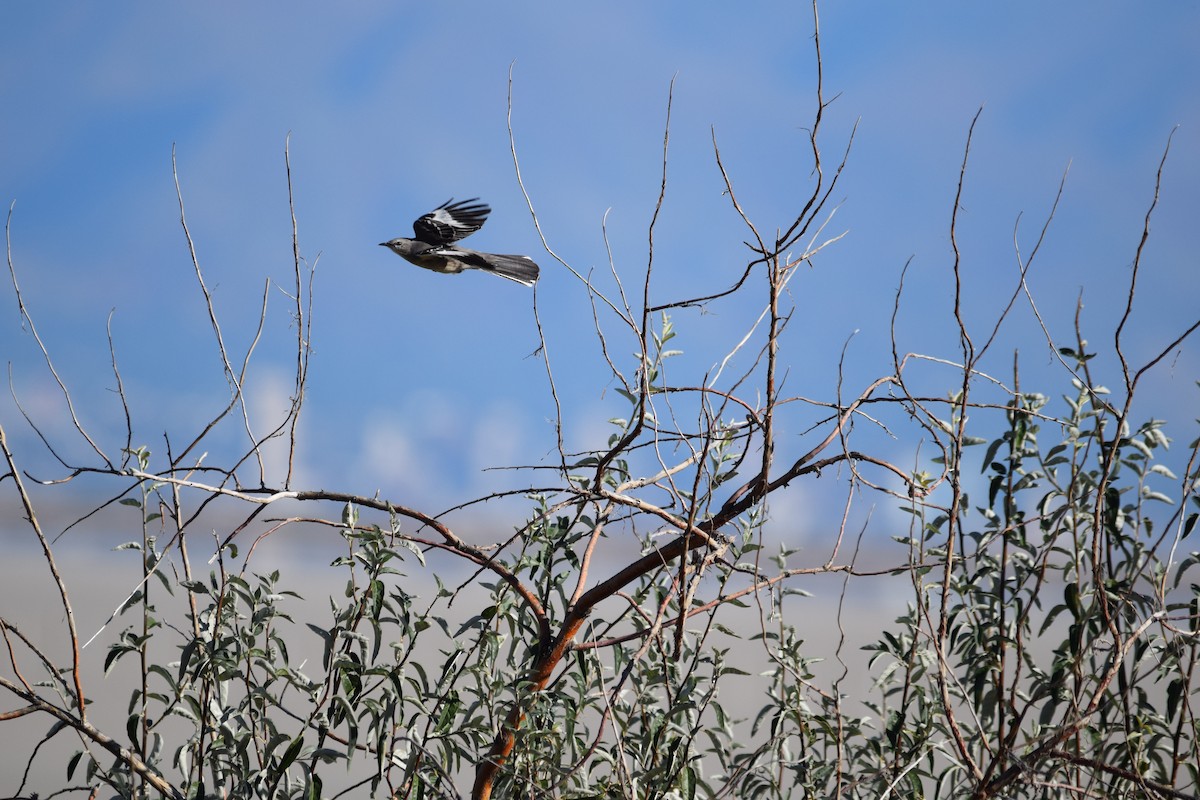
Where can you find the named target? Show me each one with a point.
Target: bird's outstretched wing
(451, 221)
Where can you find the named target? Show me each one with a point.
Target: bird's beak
(383, 244)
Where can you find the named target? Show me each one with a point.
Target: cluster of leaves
(1057, 647)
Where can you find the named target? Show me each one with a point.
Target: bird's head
(399, 246)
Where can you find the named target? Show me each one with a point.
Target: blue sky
(419, 381)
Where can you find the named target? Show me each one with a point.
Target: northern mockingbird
(433, 248)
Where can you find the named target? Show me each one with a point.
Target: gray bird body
(434, 249)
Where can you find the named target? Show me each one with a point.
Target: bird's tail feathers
(516, 268)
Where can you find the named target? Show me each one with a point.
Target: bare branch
(27, 319)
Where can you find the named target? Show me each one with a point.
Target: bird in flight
(436, 232)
